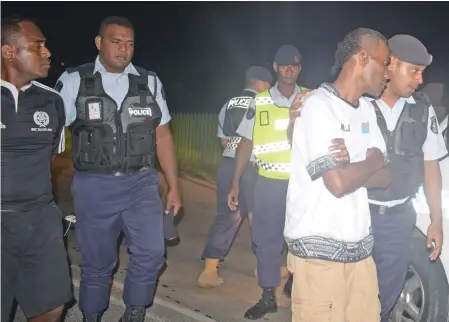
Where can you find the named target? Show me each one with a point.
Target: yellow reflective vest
(270, 141)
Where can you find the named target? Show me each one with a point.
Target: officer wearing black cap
(226, 222)
(264, 132)
(414, 144)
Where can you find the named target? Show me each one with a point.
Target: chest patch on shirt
(365, 127)
(433, 125)
(345, 128)
(41, 119)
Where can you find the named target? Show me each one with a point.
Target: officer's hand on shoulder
(295, 109)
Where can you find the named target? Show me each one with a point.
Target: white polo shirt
(319, 225)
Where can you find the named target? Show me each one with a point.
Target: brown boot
(209, 277)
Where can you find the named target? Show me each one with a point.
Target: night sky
(200, 50)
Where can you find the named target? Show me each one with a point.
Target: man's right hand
(233, 198)
(376, 156)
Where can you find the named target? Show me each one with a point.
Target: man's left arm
(221, 118)
(165, 149)
(434, 148)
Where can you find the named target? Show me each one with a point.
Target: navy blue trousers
(268, 228)
(226, 223)
(393, 233)
(105, 205)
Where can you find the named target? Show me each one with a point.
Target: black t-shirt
(32, 129)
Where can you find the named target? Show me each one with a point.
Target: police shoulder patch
(163, 93)
(58, 86)
(250, 113)
(433, 124)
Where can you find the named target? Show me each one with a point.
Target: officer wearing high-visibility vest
(226, 222)
(264, 132)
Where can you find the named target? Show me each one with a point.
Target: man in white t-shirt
(327, 224)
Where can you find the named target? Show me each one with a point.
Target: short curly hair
(353, 43)
(114, 20)
(11, 27)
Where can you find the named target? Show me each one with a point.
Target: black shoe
(133, 314)
(92, 317)
(267, 304)
(288, 287)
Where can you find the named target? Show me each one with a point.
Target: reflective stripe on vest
(233, 143)
(269, 166)
(271, 147)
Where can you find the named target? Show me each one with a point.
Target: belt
(121, 174)
(383, 210)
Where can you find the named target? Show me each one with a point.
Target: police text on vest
(140, 112)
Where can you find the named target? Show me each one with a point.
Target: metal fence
(196, 143)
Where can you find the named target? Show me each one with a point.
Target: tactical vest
(235, 112)
(405, 150)
(271, 146)
(111, 140)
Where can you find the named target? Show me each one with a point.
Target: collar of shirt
(392, 115)
(280, 99)
(251, 90)
(14, 91)
(401, 101)
(130, 69)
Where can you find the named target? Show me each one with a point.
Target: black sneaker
(133, 314)
(92, 317)
(267, 304)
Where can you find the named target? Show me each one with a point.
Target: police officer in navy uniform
(264, 133)
(414, 145)
(226, 222)
(118, 116)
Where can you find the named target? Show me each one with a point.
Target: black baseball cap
(409, 49)
(287, 55)
(259, 73)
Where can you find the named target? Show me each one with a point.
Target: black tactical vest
(404, 147)
(235, 111)
(111, 140)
